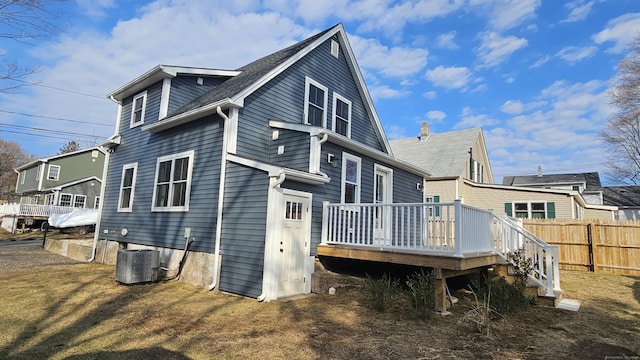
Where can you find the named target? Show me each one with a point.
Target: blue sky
(533, 74)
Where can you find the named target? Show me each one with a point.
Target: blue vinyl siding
(185, 88)
(166, 229)
(243, 230)
(282, 98)
(296, 150)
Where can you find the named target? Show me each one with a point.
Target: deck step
(569, 304)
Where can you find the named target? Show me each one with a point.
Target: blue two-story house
(240, 178)
(234, 165)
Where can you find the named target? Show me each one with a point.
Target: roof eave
(186, 117)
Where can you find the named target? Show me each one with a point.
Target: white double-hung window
(341, 115)
(351, 172)
(315, 103)
(127, 187)
(137, 109)
(172, 184)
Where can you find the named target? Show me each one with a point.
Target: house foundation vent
(137, 266)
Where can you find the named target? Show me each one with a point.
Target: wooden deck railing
(449, 229)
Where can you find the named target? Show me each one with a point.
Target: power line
(60, 89)
(47, 130)
(41, 136)
(54, 118)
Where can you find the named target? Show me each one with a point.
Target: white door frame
(382, 230)
(275, 222)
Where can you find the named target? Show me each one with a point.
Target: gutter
(223, 172)
(103, 184)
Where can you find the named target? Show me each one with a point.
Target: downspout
(223, 173)
(322, 138)
(103, 184)
(279, 180)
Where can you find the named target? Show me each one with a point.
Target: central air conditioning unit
(137, 266)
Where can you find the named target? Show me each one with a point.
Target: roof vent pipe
(539, 171)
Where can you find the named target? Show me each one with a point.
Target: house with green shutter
(461, 170)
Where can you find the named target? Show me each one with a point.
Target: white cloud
(574, 54)
(385, 92)
(579, 10)
(95, 8)
(541, 61)
(449, 77)
(621, 31)
(446, 41)
(394, 132)
(512, 107)
(430, 95)
(436, 115)
(507, 14)
(393, 62)
(495, 48)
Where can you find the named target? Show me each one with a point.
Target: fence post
(590, 246)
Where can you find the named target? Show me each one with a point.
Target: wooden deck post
(441, 290)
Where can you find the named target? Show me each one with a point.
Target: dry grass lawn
(80, 312)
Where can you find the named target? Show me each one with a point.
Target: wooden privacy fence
(592, 245)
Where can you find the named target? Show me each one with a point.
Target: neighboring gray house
(626, 198)
(73, 179)
(587, 184)
(234, 165)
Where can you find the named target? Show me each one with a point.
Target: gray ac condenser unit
(137, 266)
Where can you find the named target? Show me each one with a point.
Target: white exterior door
(383, 186)
(294, 245)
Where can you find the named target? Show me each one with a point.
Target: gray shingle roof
(251, 73)
(443, 155)
(621, 195)
(591, 179)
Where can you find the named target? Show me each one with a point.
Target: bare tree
(71, 146)
(21, 21)
(11, 156)
(621, 135)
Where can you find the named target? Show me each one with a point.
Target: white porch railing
(20, 209)
(449, 229)
(446, 229)
(510, 237)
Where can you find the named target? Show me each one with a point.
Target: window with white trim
(351, 173)
(79, 201)
(23, 175)
(38, 172)
(65, 199)
(54, 172)
(127, 187)
(315, 103)
(341, 115)
(172, 183)
(49, 199)
(138, 107)
(293, 210)
(96, 203)
(530, 210)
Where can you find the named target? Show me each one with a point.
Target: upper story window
(137, 109)
(477, 172)
(173, 182)
(127, 187)
(315, 103)
(341, 115)
(351, 172)
(38, 172)
(23, 175)
(54, 172)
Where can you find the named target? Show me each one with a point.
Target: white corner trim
(164, 98)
